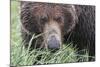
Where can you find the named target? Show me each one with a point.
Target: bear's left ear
(78, 10)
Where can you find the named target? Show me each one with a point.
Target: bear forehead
(50, 9)
(41, 9)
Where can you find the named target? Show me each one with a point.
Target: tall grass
(22, 56)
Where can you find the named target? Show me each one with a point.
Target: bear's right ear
(25, 3)
(78, 10)
(21, 3)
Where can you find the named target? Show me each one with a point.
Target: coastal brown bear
(58, 24)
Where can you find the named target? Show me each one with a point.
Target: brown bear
(58, 24)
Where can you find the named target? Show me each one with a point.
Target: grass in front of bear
(21, 56)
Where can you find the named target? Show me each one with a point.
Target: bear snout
(53, 43)
(52, 37)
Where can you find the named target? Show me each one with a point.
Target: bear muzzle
(53, 43)
(52, 37)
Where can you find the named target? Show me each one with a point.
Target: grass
(22, 56)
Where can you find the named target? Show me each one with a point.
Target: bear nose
(53, 43)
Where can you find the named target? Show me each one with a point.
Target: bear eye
(43, 19)
(58, 19)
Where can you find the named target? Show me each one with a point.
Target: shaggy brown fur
(68, 23)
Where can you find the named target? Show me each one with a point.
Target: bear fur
(75, 23)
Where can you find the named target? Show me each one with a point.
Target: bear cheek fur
(29, 22)
(70, 19)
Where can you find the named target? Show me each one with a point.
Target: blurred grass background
(21, 56)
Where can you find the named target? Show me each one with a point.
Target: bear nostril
(53, 43)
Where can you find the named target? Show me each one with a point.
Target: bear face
(54, 20)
